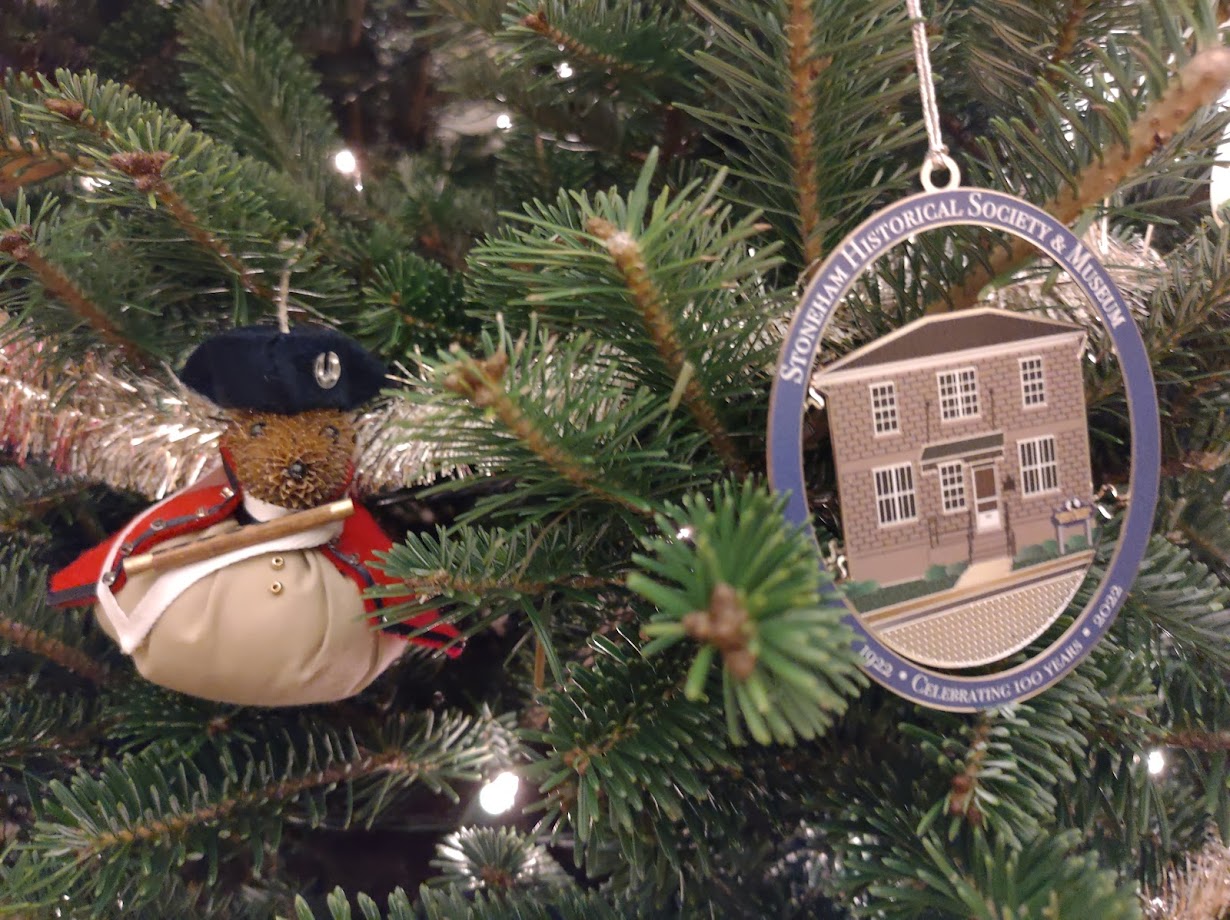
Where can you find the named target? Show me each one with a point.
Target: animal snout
(297, 470)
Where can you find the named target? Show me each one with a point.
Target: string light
(1156, 762)
(503, 121)
(684, 533)
(346, 162)
(564, 69)
(500, 793)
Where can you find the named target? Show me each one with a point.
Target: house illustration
(959, 439)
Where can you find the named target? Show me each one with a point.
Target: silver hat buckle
(327, 369)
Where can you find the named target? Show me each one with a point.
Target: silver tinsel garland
(1198, 891)
(91, 420)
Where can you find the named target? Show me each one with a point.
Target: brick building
(956, 439)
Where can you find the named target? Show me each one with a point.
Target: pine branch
(538, 22)
(26, 163)
(805, 100)
(61, 653)
(1200, 83)
(1181, 596)
(1004, 767)
(455, 904)
(805, 69)
(745, 585)
(19, 245)
(1196, 739)
(562, 419)
(176, 204)
(674, 284)
(37, 726)
(639, 52)
(628, 759)
(481, 382)
(1045, 879)
(628, 256)
(255, 91)
(497, 860)
(165, 809)
(28, 624)
(1069, 31)
(145, 168)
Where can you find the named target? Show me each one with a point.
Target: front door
(986, 499)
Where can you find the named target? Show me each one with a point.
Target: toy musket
(252, 534)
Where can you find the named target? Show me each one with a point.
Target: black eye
(330, 432)
(257, 430)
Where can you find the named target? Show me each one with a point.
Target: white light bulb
(345, 162)
(564, 69)
(684, 533)
(500, 794)
(503, 121)
(1157, 762)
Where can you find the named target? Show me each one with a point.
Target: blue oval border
(858, 252)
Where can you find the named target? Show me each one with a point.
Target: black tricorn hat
(262, 368)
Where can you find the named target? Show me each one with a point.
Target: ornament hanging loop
(937, 153)
(944, 162)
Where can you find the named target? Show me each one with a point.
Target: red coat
(206, 504)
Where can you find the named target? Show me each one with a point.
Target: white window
(895, 494)
(884, 408)
(952, 487)
(1033, 387)
(958, 394)
(1039, 468)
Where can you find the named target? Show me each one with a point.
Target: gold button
(275, 588)
(277, 562)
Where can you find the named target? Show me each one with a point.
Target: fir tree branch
(1196, 739)
(539, 23)
(962, 798)
(1201, 82)
(446, 582)
(1198, 541)
(626, 252)
(1069, 31)
(28, 163)
(145, 169)
(25, 162)
(55, 650)
(18, 245)
(481, 382)
(161, 828)
(804, 70)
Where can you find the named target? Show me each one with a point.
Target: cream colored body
(277, 629)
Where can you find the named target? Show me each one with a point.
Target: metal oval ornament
(895, 663)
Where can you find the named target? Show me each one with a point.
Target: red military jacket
(213, 501)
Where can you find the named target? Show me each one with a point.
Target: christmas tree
(577, 231)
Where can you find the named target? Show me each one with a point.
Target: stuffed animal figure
(281, 621)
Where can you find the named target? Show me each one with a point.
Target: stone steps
(989, 545)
